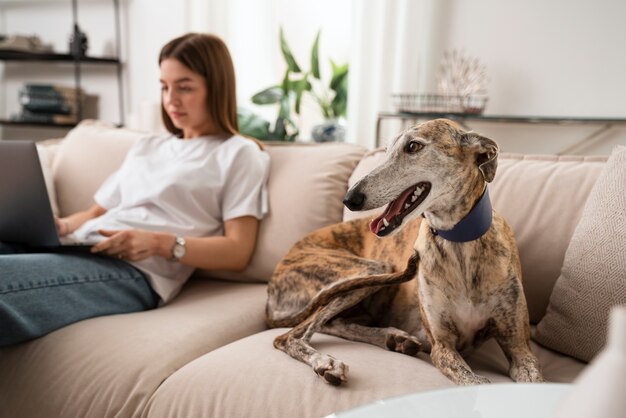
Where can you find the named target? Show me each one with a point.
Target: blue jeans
(42, 292)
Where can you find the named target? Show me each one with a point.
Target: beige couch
(209, 352)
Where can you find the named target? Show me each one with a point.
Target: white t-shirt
(184, 187)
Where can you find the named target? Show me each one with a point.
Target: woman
(192, 199)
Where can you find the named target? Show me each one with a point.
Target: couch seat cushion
(249, 378)
(110, 366)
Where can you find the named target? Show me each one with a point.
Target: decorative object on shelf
(328, 131)
(461, 88)
(460, 75)
(78, 42)
(438, 103)
(599, 390)
(331, 98)
(24, 43)
(51, 104)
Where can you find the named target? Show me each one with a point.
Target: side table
(510, 400)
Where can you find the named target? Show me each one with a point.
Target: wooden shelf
(6, 122)
(12, 55)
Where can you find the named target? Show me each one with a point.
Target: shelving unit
(465, 120)
(77, 61)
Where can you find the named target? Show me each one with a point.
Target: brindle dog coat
(414, 290)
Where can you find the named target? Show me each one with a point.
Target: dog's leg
(515, 342)
(389, 338)
(524, 364)
(296, 342)
(448, 360)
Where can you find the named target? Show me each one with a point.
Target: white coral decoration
(460, 75)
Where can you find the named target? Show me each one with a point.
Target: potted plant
(332, 98)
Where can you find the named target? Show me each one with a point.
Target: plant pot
(329, 130)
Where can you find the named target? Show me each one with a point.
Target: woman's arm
(71, 223)
(232, 251)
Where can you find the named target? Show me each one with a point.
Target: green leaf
(284, 130)
(284, 111)
(339, 74)
(270, 95)
(339, 105)
(251, 124)
(300, 86)
(292, 65)
(315, 60)
(279, 130)
(286, 84)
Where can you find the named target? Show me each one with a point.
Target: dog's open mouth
(399, 208)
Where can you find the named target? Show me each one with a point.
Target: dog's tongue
(392, 210)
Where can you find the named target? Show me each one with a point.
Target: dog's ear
(486, 153)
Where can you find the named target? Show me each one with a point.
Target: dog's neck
(474, 225)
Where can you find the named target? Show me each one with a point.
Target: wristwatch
(179, 248)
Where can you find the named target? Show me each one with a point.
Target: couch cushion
(85, 158)
(46, 157)
(541, 197)
(249, 378)
(306, 187)
(593, 278)
(110, 366)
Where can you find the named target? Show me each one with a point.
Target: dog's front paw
(526, 375)
(333, 371)
(402, 342)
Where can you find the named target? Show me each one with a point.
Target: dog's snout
(354, 200)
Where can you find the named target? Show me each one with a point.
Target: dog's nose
(354, 200)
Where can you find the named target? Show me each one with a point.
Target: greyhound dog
(458, 285)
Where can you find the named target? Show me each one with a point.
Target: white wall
(545, 58)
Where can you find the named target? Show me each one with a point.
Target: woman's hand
(63, 226)
(71, 223)
(133, 244)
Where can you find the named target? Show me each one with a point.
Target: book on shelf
(53, 104)
(46, 105)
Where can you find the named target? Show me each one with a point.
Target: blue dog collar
(474, 225)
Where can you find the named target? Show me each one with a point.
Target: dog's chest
(458, 290)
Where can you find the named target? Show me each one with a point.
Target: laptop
(25, 211)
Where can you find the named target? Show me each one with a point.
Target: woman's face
(184, 96)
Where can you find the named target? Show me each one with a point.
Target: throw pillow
(306, 187)
(45, 159)
(593, 277)
(79, 167)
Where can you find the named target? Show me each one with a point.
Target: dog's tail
(330, 292)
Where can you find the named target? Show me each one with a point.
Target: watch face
(179, 251)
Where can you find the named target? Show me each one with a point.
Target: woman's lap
(41, 292)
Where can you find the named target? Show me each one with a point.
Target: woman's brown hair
(208, 56)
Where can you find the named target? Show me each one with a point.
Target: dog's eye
(413, 147)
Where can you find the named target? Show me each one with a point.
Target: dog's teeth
(413, 199)
(385, 222)
(406, 206)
